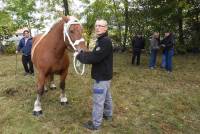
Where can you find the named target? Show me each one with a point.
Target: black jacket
(168, 41)
(101, 59)
(138, 43)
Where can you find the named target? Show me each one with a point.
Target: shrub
(10, 48)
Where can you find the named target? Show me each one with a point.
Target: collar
(27, 38)
(102, 35)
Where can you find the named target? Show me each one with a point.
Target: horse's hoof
(64, 103)
(37, 113)
(45, 89)
(52, 88)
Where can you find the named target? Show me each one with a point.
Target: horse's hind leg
(40, 90)
(63, 98)
(49, 83)
(52, 84)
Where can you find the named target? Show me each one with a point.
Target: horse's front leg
(37, 111)
(63, 98)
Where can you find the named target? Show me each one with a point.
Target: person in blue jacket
(25, 46)
(101, 58)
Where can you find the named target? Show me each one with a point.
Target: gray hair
(104, 22)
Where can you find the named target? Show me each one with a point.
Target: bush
(10, 48)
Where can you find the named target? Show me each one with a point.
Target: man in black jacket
(101, 59)
(168, 43)
(138, 43)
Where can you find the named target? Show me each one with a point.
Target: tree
(66, 7)
(22, 12)
(98, 9)
(7, 26)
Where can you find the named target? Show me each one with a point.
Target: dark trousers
(136, 56)
(168, 59)
(27, 63)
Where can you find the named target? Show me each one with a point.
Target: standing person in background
(138, 43)
(101, 59)
(154, 46)
(168, 44)
(25, 46)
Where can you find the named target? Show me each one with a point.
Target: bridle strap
(72, 21)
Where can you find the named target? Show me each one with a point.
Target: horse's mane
(58, 21)
(54, 25)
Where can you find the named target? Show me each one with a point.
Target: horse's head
(73, 33)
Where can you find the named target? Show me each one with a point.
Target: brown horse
(50, 57)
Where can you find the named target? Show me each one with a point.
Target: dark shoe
(89, 125)
(108, 118)
(25, 74)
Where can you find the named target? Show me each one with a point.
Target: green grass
(145, 101)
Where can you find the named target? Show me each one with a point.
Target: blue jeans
(163, 60)
(168, 59)
(153, 56)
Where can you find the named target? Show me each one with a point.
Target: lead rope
(16, 71)
(78, 64)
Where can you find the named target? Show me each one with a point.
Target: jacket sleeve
(133, 42)
(151, 43)
(97, 55)
(20, 45)
(169, 42)
(143, 44)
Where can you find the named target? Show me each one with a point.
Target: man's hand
(16, 52)
(76, 53)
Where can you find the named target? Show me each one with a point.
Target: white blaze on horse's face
(73, 32)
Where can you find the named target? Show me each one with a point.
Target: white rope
(75, 67)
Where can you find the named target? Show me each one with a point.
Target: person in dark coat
(138, 44)
(168, 43)
(101, 58)
(25, 46)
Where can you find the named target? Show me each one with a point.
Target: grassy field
(145, 101)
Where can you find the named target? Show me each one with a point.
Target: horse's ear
(65, 18)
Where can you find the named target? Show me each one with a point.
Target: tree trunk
(29, 27)
(118, 23)
(180, 26)
(126, 23)
(66, 7)
(88, 40)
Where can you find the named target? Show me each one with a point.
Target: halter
(76, 63)
(67, 25)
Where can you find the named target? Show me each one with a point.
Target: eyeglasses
(100, 25)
